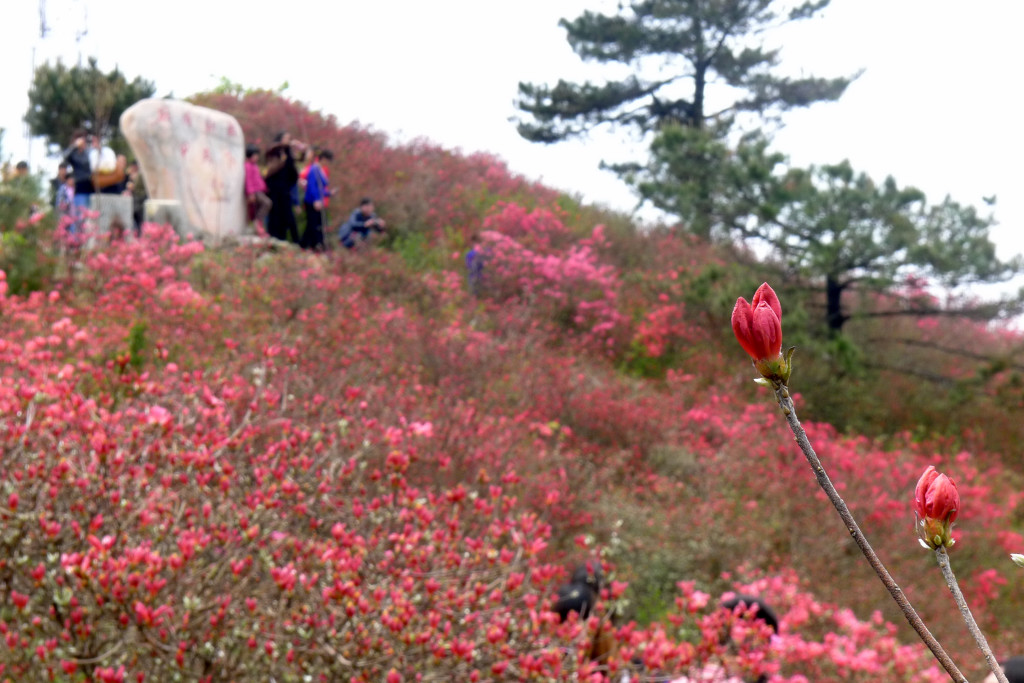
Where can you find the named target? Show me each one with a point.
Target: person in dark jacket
(1013, 669)
(77, 157)
(358, 226)
(281, 178)
(299, 151)
(760, 609)
(755, 609)
(580, 594)
(135, 187)
(57, 182)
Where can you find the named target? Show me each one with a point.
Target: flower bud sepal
(934, 533)
(775, 371)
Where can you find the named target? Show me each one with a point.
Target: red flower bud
(758, 328)
(936, 506)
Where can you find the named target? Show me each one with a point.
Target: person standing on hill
(309, 159)
(65, 199)
(299, 151)
(57, 182)
(474, 265)
(281, 179)
(77, 158)
(135, 187)
(255, 187)
(316, 195)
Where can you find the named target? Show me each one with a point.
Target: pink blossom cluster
(570, 285)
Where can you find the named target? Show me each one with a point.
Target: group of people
(89, 167)
(272, 194)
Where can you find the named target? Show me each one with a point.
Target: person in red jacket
(255, 187)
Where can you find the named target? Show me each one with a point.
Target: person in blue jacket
(474, 264)
(358, 226)
(316, 192)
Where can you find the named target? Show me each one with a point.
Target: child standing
(65, 201)
(255, 187)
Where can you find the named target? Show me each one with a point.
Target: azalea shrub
(556, 273)
(27, 251)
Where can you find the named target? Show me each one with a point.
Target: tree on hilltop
(711, 66)
(836, 227)
(62, 99)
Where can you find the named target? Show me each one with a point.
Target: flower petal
(767, 331)
(767, 295)
(743, 326)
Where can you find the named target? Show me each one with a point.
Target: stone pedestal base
(115, 215)
(169, 211)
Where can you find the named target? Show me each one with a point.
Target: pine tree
(715, 68)
(840, 229)
(63, 99)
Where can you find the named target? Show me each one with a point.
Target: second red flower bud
(936, 507)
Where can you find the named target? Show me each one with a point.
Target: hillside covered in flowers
(254, 463)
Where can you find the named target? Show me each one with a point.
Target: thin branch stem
(789, 409)
(947, 573)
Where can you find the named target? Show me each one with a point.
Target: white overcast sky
(938, 105)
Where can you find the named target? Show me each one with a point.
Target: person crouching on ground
(358, 226)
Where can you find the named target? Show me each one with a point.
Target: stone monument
(193, 156)
(115, 215)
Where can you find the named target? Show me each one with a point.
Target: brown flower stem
(789, 409)
(947, 573)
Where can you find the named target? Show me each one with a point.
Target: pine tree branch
(985, 311)
(963, 353)
(932, 377)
